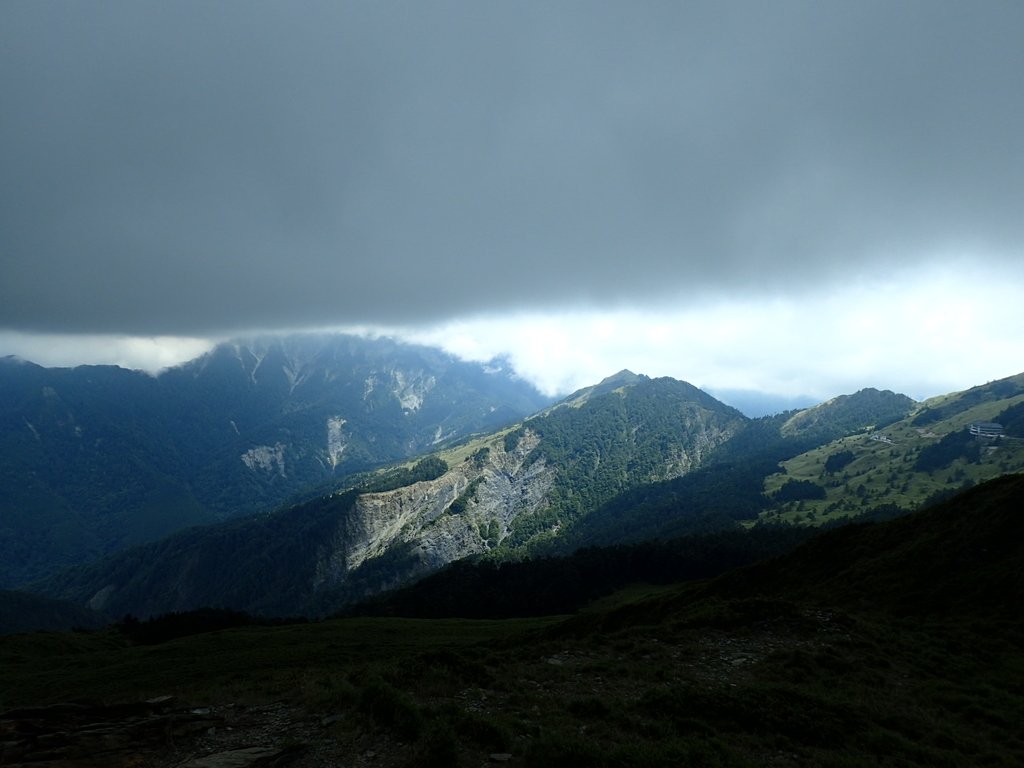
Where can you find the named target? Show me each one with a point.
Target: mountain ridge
(905, 462)
(503, 493)
(525, 490)
(629, 459)
(97, 458)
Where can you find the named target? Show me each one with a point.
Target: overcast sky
(796, 197)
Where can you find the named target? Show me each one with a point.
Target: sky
(798, 198)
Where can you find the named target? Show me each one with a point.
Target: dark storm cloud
(203, 167)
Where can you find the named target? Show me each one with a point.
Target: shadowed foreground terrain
(895, 644)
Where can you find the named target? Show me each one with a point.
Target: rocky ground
(165, 732)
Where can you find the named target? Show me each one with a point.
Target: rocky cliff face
(312, 558)
(517, 489)
(467, 511)
(705, 436)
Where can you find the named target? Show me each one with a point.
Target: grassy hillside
(924, 456)
(867, 409)
(895, 644)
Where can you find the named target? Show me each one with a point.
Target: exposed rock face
(336, 442)
(445, 519)
(466, 511)
(65, 735)
(705, 437)
(602, 446)
(268, 458)
(411, 387)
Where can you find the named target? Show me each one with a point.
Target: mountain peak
(622, 378)
(865, 409)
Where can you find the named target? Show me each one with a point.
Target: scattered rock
(86, 735)
(249, 757)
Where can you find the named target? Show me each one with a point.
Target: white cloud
(918, 332)
(145, 353)
(922, 333)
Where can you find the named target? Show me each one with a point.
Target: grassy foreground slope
(893, 644)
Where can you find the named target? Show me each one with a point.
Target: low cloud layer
(923, 333)
(920, 332)
(193, 169)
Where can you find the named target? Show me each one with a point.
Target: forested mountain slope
(97, 458)
(631, 459)
(503, 495)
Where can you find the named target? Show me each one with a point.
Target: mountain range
(628, 460)
(636, 575)
(97, 458)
